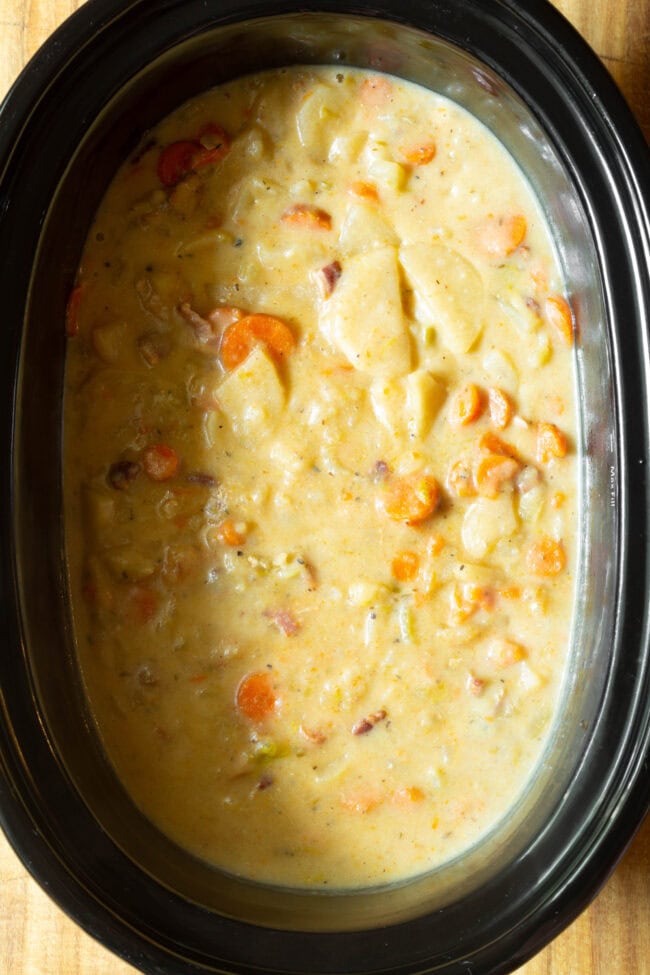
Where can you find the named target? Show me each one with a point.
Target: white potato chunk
(365, 228)
(424, 397)
(409, 405)
(501, 370)
(320, 108)
(448, 293)
(486, 522)
(364, 317)
(252, 395)
(346, 146)
(381, 168)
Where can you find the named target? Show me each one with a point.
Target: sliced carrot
(411, 499)
(408, 794)
(545, 557)
(501, 236)
(176, 160)
(505, 652)
(160, 462)
(255, 697)
(500, 407)
(560, 317)
(365, 191)
(466, 405)
(214, 145)
(510, 592)
(307, 216)
(72, 312)
(435, 545)
(490, 443)
(483, 596)
(405, 566)
(551, 443)
(419, 155)
(240, 337)
(375, 91)
(493, 471)
(460, 479)
(228, 534)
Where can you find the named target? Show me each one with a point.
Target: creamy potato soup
(320, 477)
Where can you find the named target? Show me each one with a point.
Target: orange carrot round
(240, 337)
(493, 471)
(551, 443)
(501, 236)
(228, 534)
(307, 216)
(545, 557)
(411, 499)
(160, 462)
(460, 480)
(500, 407)
(419, 155)
(405, 566)
(255, 698)
(559, 316)
(466, 405)
(365, 191)
(176, 160)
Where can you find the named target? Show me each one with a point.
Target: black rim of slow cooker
(610, 147)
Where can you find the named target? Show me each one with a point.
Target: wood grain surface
(612, 937)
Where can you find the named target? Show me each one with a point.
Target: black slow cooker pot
(75, 113)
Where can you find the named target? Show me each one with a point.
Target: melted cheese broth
(320, 477)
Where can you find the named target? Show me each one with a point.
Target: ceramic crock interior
(202, 61)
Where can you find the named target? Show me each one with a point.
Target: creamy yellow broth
(320, 477)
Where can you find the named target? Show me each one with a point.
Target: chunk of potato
(424, 397)
(320, 108)
(365, 228)
(252, 395)
(407, 406)
(448, 293)
(486, 522)
(364, 317)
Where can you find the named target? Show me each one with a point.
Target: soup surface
(320, 477)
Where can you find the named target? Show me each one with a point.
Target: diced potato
(531, 504)
(407, 406)
(387, 173)
(381, 168)
(486, 522)
(109, 341)
(365, 227)
(252, 395)
(388, 401)
(320, 108)
(501, 369)
(364, 317)
(424, 397)
(448, 293)
(347, 146)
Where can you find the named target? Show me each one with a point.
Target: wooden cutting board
(612, 937)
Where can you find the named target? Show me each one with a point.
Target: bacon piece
(368, 723)
(327, 277)
(284, 620)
